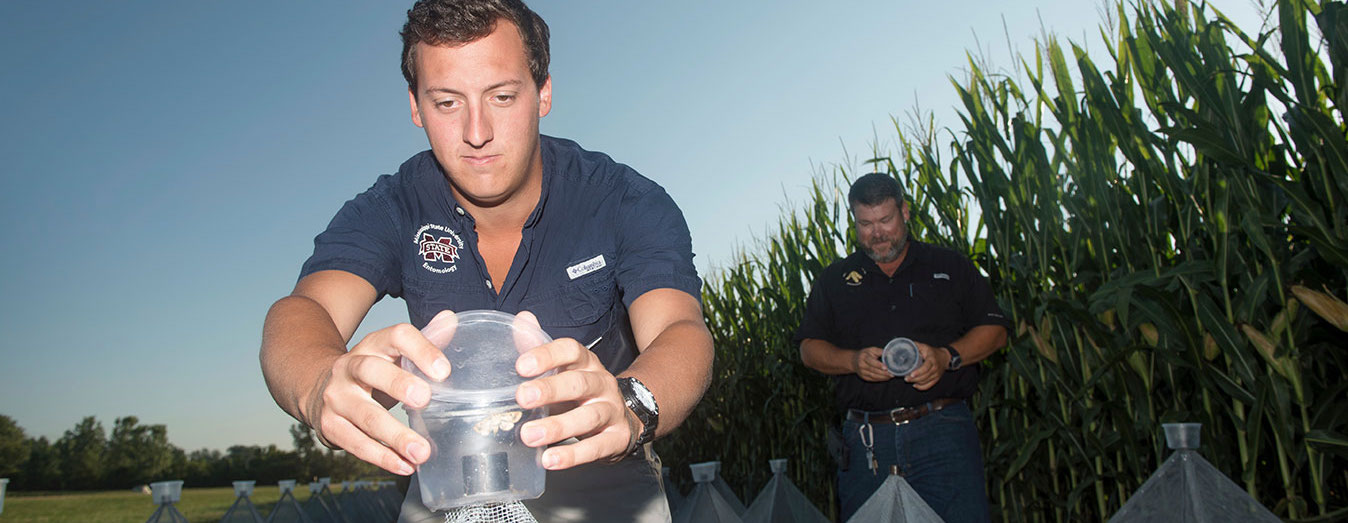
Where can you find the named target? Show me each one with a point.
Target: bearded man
(921, 422)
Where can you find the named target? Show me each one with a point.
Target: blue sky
(166, 164)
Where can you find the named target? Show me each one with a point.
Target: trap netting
(895, 501)
(322, 507)
(242, 511)
(512, 512)
(781, 502)
(287, 509)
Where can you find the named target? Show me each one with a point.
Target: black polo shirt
(935, 296)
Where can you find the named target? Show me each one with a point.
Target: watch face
(644, 396)
(955, 360)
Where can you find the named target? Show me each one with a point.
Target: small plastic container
(166, 492)
(704, 472)
(901, 356)
(472, 420)
(286, 485)
(1182, 435)
(243, 488)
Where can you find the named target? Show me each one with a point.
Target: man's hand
(343, 409)
(934, 363)
(592, 407)
(869, 366)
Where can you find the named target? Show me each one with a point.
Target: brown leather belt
(900, 415)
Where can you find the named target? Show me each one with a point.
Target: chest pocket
(575, 303)
(939, 297)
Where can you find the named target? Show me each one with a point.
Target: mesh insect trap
(895, 502)
(1187, 488)
(781, 502)
(705, 504)
(322, 506)
(287, 509)
(165, 494)
(242, 511)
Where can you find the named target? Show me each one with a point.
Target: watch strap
(648, 416)
(955, 360)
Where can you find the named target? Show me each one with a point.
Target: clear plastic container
(165, 492)
(703, 472)
(901, 356)
(244, 488)
(1182, 435)
(472, 420)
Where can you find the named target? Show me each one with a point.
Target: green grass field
(198, 505)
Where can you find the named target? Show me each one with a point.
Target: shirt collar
(914, 251)
(457, 213)
(549, 172)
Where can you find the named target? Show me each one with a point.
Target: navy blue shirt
(934, 297)
(600, 236)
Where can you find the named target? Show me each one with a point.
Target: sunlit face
(882, 229)
(480, 109)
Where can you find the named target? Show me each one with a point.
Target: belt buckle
(894, 416)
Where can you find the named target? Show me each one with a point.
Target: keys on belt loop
(867, 435)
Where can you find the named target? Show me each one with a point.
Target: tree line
(87, 457)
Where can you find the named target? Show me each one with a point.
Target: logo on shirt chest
(439, 247)
(853, 278)
(586, 267)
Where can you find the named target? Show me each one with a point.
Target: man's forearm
(299, 344)
(979, 343)
(676, 366)
(827, 358)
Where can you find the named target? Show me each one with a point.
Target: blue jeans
(938, 454)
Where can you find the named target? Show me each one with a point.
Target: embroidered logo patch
(940, 276)
(438, 251)
(853, 278)
(586, 267)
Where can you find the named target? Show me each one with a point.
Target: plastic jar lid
(482, 346)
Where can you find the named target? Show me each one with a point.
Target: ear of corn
(1325, 305)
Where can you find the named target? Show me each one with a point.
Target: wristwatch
(641, 402)
(955, 360)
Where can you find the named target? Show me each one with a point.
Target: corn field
(1168, 229)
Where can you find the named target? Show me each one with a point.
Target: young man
(496, 216)
(894, 287)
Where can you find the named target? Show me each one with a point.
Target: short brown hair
(457, 22)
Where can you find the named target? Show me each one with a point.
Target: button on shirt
(600, 236)
(934, 297)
